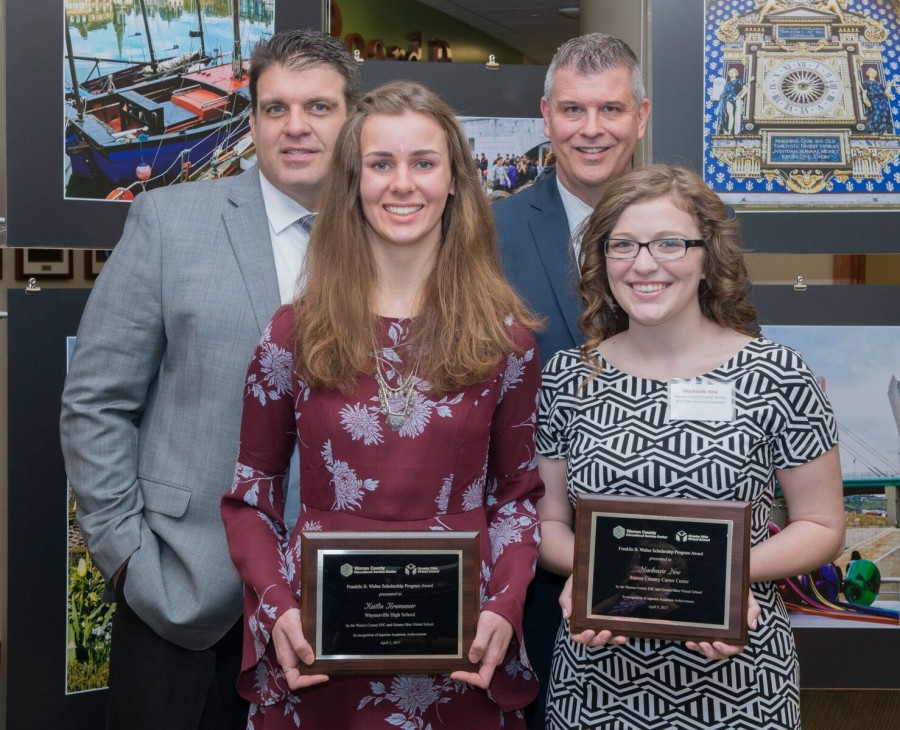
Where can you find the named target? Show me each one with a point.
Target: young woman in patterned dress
(407, 372)
(666, 293)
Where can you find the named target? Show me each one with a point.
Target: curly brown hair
(724, 291)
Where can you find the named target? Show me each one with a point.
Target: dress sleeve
(552, 435)
(513, 485)
(807, 427)
(253, 509)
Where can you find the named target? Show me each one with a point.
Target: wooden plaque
(388, 602)
(662, 568)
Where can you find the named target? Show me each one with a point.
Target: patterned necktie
(306, 222)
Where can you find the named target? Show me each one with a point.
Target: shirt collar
(576, 209)
(281, 210)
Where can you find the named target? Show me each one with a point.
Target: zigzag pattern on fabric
(614, 432)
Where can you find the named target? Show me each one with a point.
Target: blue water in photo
(115, 30)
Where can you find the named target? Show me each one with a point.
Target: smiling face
(405, 180)
(298, 116)
(653, 292)
(594, 123)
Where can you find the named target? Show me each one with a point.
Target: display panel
(37, 634)
(677, 122)
(850, 654)
(39, 213)
(156, 94)
(799, 106)
(858, 368)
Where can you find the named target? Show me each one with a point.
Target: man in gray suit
(152, 402)
(595, 110)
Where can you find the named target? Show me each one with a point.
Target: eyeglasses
(665, 249)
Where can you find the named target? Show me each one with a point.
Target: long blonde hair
(462, 329)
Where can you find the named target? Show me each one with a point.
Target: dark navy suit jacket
(533, 232)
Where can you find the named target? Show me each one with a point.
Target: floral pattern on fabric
(275, 367)
(462, 461)
(348, 489)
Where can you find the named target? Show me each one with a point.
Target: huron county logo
(681, 536)
(346, 570)
(411, 569)
(619, 532)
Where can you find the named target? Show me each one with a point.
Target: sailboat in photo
(160, 127)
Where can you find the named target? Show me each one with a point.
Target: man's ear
(643, 116)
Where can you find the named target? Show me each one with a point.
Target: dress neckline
(607, 366)
(394, 320)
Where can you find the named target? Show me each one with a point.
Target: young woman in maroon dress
(408, 373)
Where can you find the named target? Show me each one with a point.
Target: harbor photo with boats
(156, 92)
(857, 367)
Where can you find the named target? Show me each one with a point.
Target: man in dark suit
(152, 402)
(595, 110)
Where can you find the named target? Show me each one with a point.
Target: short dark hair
(596, 53)
(724, 292)
(297, 49)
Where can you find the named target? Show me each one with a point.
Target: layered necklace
(395, 402)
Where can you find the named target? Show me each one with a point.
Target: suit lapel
(550, 230)
(248, 231)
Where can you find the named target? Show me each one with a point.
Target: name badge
(699, 399)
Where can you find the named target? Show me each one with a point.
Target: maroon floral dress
(464, 461)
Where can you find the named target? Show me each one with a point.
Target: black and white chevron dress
(614, 434)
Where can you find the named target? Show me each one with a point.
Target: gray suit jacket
(152, 403)
(533, 232)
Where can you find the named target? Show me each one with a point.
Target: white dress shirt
(577, 212)
(289, 242)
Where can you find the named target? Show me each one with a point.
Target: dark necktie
(306, 222)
